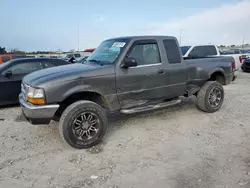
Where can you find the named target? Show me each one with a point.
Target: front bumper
(37, 114)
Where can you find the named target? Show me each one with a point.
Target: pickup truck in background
(126, 75)
(209, 50)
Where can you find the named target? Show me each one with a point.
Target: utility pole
(77, 37)
(180, 36)
(243, 42)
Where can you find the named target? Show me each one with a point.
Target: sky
(33, 25)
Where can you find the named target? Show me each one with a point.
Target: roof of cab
(143, 37)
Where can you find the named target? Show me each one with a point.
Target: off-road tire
(203, 96)
(67, 119)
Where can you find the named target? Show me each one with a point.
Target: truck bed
(205, 67)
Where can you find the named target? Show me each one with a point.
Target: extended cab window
(202, 51)
(172, 51)
(145, 54)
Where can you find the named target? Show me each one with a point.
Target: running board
(150, 107)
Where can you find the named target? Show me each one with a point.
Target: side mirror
(129, 62)
(7, 73)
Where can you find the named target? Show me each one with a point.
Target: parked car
(245, 54)
(126, 75)
(73, 55)
(246, 65)
(13, 71)
(210, 50)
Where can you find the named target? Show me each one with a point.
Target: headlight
(35, 95)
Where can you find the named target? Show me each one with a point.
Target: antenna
(243, 42)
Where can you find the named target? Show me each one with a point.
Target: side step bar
(150, 107)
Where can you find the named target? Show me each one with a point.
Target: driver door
(11, 84)
(143, 83)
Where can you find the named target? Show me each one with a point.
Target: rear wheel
(210, 97)
(83, 124)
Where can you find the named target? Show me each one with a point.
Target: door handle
(161, 71)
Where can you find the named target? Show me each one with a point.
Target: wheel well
(91, 96)
(219, 77)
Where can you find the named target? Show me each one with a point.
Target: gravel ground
(179, 147)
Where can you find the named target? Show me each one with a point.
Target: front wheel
(210, 97)
(83, 124)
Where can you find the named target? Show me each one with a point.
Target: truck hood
(64, 73)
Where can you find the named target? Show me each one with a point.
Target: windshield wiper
(95, 61)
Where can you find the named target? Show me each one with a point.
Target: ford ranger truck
(126, 75)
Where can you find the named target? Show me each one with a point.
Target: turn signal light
(36, 101)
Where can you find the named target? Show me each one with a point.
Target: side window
(56, 62)
(201, 51)
(48, 64)
(25, 68)
(145, 54)
(172, 51)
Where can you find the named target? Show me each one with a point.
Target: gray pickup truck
(126, 75)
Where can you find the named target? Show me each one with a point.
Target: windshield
(184, 49)
(108, 51)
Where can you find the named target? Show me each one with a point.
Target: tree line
(16, 51)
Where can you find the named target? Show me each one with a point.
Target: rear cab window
(172, 51)
(202, 51)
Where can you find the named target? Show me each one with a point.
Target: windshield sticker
(119, 44)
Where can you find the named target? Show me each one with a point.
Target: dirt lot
(178, 147)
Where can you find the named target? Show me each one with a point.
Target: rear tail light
(233, 65)
(240, 58)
